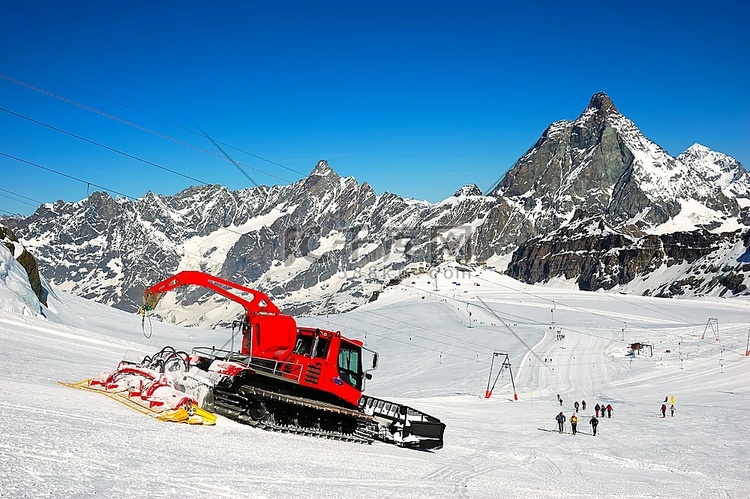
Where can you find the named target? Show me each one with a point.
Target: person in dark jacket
(664, 410)
(560, 418)
(594, 422)
(583, 405)
(575, 404)
(596, 408)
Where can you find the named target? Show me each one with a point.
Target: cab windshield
(350, 365)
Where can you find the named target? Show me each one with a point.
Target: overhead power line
(13, 195)
(229, 158)
(37, 165)
(98, 144)
(156, 133)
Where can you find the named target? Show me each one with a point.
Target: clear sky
(415, 97)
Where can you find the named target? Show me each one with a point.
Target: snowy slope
(59, 442)
(16, 295)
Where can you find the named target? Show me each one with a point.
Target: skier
(583, 405)
(573, 423)
(596, 408)
(664, 410)
(559, 399)
(560, 421)
(593, 422)
(671, 410)
(609, 410)
(576, 405)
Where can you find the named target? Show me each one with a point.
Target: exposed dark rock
(27, 261)
(595, 256)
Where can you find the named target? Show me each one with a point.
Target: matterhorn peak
(601, 102)
(322, 169)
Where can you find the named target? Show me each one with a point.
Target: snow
(16, 295)
(694, 214)
(60, 442)
(223, 239)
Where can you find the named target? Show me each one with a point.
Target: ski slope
(59, 442)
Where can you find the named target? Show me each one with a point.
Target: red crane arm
(259, 303)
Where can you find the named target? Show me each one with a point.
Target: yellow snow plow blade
(195, 415)
(208, 418)
(177, 415)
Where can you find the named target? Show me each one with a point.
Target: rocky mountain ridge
(328, 243)
(597, 256)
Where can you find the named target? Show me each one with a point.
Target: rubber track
(233, 404)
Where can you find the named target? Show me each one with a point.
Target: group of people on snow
(594, 421)
(670, 399)
(603, 409)
(608, 409)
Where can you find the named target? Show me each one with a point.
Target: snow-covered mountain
(323, 243)
(329, 243)
(603, 164)
(721, 170)
(605, 207)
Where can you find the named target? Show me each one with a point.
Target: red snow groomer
(293, 379)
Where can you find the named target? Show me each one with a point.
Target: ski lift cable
(20, 196)
(148, 130)
(370, 332)
(415, 326)
(62, 174)
(528, 348)
(431, 339)
(528, 320)
(554, 302)
(103, 146)
(572, 307)
(660, 312)
(663, 313)
(229, 158)
(433, 333)
(19, 200)
(594, 351)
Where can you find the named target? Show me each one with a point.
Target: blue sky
(416, 98)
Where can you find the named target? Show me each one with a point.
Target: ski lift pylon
(505, 364)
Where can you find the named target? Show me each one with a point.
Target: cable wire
(135, 125)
